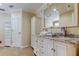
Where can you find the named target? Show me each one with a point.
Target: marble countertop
(71, 40)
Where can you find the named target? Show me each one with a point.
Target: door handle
(19, 32)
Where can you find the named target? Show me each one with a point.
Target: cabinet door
(45, 46)
(71, 50)
(41, 46)
(50, 47)
(60, 48)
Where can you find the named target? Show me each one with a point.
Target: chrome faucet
(63, 29)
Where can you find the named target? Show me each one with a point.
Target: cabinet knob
(19, 32)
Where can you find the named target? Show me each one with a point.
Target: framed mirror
(59, 15)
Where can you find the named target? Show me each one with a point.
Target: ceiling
(32, 7)
(28, 7)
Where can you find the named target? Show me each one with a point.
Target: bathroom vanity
(56, 16)
(61, 46)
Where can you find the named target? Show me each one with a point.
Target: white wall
(26, 29)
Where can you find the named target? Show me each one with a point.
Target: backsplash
(69, 30)
(73, 30)
(58, 31)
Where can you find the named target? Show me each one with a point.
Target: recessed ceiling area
(28, 7)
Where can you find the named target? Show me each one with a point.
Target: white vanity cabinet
(52, 47)
(42, 46)
(64, 49)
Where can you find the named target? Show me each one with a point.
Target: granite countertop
(67, 39)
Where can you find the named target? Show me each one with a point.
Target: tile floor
(8, 51)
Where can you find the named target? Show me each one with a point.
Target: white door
(16, 30)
